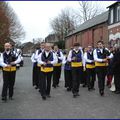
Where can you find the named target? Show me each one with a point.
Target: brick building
(114, 24)
(89, 32)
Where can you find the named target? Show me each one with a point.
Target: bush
(61, 44)
(1, 48)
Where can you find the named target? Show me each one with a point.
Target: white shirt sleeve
(96, 57)
(54, 59)
(36, 55)
(18, 60)
(32, 58)
(64, 59)
(39, 60)
(86, 59)
(110, 56)
(2, 61)
(61, 56)
(69, 56)
(83, 60)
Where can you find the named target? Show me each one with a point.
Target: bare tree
(63, 23)
(16, 30)
(12, 27)
(88, 10)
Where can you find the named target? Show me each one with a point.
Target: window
(118, 13)
(111, 16)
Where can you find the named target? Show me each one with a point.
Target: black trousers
(84, 79)
(117, 81)
(68, 78)
(76, 78)
(91, 77)
(101, 74)
(35, 75)
(45, 84)
(56, 75)
(8, 83)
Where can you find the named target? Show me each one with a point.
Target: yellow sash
(38, 65)
(9, 69)
(58, 64)
(46, 69)
(76, 64)
(90, 66)
(99, 64)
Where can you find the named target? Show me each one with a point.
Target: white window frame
(111, 16)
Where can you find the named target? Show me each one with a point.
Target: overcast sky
(35, 15)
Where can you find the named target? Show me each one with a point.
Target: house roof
(113, 4)
(90, 23)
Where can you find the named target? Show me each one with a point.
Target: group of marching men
(80, 66)
(9, 60)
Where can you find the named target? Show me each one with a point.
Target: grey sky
(35, 15)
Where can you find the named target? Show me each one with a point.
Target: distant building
(89, 32)
(114, 24)
(105, 26)
(52, 38)
(27, 48)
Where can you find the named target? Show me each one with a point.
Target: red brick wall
(89, 36)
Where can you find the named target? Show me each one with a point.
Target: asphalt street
(27, 101)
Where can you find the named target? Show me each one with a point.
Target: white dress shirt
(4, 64)
(96, 56)
(69, 58)
(47, 53)
(61, 55)
(86, 58)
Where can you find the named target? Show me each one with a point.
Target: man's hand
(48, 62)
(12, 63)
(8, 66)
(74, 58)
(105, 60)
(44, 64)
(84, 68)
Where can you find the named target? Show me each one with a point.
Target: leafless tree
(63, 23)
(88, 10)
(11, 23)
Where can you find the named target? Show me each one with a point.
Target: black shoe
(4, 99)
(68, 89)
(102, 93)
(10, 98)
(74, 95)
(36, 87)
(48, 96)
(89, 89)
(117, 92)
(44, 97)
(84, 85)
(93, 88)
(54, 86)
(77, 94)
(39, 91)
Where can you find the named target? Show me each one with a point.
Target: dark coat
(115, 63)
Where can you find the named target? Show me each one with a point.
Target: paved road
(28, 102)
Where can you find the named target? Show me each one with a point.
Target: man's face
(42, 46)
(47, 47)
(76, 47)
(89, 48)
(7, 46)
(55, 48)
(100, 45)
